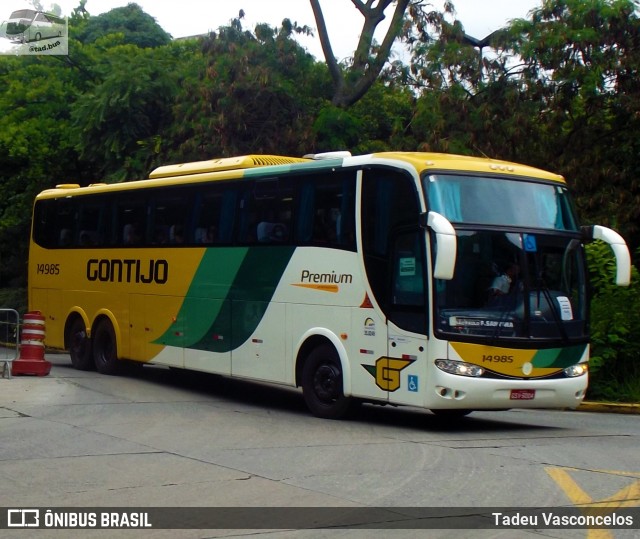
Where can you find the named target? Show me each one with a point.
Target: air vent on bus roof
(226, 163)
(329, 155)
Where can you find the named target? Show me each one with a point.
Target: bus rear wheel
(105, 353)
(80, 346)
(322, 384)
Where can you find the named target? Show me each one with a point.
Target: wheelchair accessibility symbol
(530, 244)
(413, 383)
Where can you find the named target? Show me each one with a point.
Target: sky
(192, 17)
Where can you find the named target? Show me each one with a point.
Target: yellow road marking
(629, 496)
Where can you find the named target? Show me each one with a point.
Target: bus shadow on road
(266, 396)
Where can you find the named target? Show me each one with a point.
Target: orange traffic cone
(31, 360)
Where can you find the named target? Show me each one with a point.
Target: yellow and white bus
(438, 281)
(26, 25)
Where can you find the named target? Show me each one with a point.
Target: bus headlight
(576, 370)
(459, 367)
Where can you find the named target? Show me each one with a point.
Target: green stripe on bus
(245, 281)
(213, 279)
(558, 357)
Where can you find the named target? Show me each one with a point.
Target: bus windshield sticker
(566, 312)
(407, 267)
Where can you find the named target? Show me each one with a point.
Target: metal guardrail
(9, 338)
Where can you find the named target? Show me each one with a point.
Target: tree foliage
(118, 120)
(137, 27)
(254, 92)
(615, 314)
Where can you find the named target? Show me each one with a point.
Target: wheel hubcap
(326, 383)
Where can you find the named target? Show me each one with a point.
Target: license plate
(523, 394)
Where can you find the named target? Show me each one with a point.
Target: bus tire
(79, 345)
(105, 352)
(322, 383)
(38, 36)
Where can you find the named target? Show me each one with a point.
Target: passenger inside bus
(271, 232)
(131, 234)
(176, 234)
(65, 237)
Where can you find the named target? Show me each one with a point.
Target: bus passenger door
(392, 245)
(407, 319)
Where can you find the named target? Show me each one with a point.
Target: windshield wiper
(555, 314)
(511, 302)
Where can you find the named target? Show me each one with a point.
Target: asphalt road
(156, 438)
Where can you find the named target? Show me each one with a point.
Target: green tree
(137, 27)
(254, 92)
(351, 80)
(36, 148)
(50, 133)
(119, 121)
(615, 326)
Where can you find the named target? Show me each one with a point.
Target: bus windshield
(19, 21)
(500, 201)
(510, 283)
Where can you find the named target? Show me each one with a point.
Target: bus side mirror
(446, 246)
(618, 246)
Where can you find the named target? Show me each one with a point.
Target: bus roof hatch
(225, 163)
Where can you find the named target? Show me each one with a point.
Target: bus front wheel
(104, 348)
(322, 383)
(80, 346)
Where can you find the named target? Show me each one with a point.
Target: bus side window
(326, 210)
(66, 221)
(267, 232)
(131, 234)
(265, 212)
(170, 216)
(93, 215)
(408, 274)
(131, 218)
(65, 237)
(44, 226)
(407, 305)
(87, 238)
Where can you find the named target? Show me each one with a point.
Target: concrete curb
(609, 407)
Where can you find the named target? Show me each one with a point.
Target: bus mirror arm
(618, 246)
(446, 245)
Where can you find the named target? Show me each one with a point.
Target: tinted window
(316, 209)
(389, 204)
(327, 210)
